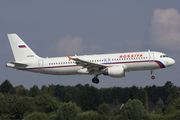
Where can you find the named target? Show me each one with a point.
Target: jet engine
(115, 71)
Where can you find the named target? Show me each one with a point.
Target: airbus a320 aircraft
(114, 65)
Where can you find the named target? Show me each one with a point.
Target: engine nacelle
(115, 71)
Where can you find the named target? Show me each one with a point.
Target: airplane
(113, 65)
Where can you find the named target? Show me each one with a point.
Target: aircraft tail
(20, 50)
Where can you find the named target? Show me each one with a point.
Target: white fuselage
(135, 61)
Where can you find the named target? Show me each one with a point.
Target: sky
(68, 27)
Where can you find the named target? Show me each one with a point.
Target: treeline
(80, 102)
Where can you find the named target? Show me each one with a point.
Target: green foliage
(44, 89)
(21, 91)
(174, 116)
(34, 91)
(5, 86)
(173, 95)
(36, 116)
(89, 98)
(158, 111)
(67, 111)
(92, 115)
(22, 106)
(133, 109)
(15, 102)
(2, 98)
(71, 93)
(151, 116)
(8, 102)
(1, 107)
(170, 109)
(46, 103)
(89, 115)
(154, 92)
(59, 92)
(51, 89)
(176, 103)
(160, 103)
(104, 109)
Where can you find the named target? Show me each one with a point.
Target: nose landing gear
(152, 76)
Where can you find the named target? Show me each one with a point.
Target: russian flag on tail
(22, 46)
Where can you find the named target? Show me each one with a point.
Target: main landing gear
(152, 76)
(95, 79)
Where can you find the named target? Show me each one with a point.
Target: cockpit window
(163, 56)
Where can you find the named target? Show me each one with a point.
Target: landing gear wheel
(153, 77)
(95, 80)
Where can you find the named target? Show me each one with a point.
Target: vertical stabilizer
(20, 50)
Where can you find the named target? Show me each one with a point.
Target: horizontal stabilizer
(15, 65)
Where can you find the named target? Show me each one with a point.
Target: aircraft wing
(87, 64)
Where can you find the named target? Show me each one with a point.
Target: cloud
(165, 29)
(68, 45)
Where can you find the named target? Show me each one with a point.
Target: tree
(34, 91)
(51, 89)
(143, 97)
(173, 116)
(9, 101)
(160, 103)
(44, 89)
(1, 107)
(88, 115)
(22, 106)
(133, 92)
(104, 109)
(36, 116)
(133, 109)
(5, 86)
(89, 98)
(173, 95)
(71, 93)
(59, 92)
(106, 95)
(167, 88)
(21, 91)
(1, 103)
(46, 103)
(67, 111)
(170, 109)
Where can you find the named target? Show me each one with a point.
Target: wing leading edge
(89, 65)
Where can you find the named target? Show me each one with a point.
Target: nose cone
(171, 62)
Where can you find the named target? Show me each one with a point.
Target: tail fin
(20, 50)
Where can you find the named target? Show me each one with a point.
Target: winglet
(70, 58)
